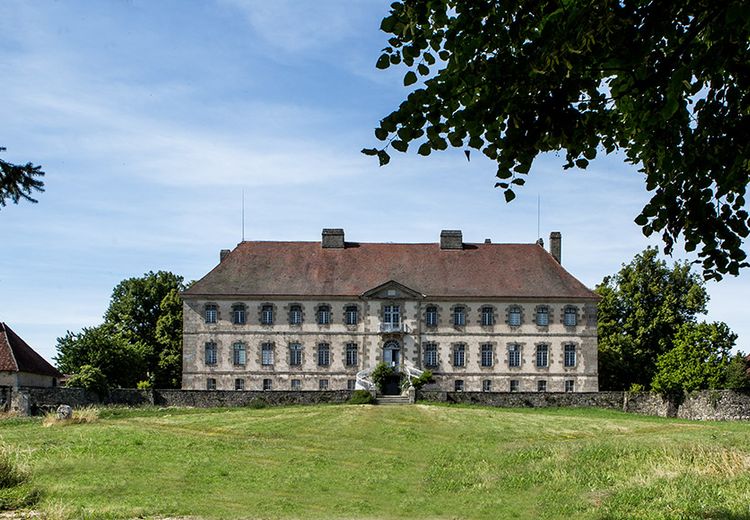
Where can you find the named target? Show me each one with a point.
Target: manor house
(321, 315)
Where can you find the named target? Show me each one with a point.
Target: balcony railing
(394, 327)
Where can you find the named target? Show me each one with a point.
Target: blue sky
(151, 117)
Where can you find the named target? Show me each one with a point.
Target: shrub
(89, 378)
(380, 374)
(144, 385)
(419, 382)
(361, 397)
(635, 387)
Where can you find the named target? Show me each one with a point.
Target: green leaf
(410, 78)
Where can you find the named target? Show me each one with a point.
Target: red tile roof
(17, 356)
(307, 269)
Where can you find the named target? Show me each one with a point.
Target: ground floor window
(296, 384)
(487, 385)
(323, 384)
(351, 384)
(239, 384)
(210, 383)
(570, 385)
(514, 386)
(267, 383)
(541, 386)
(459, 385)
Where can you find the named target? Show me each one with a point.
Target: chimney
(555, 246)
(223, 254)
(333, 238)
(487, 240)
(451, 239)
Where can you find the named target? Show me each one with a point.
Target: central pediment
(392, 290)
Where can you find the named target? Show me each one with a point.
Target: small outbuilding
(20, 365)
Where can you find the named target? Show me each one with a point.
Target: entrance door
(391, 353)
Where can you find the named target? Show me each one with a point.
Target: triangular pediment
(391, 290)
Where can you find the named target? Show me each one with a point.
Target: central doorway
(392, 353)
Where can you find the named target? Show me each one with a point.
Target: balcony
(394, 328)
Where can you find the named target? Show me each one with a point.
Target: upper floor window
(324, 315)
(514, 355)
(295, 315)
(514, 316)
(210, 356)
(266, 354)
(351, 354)
(459, 316)
(351, 315)
(459, 355)
(542, 356)
(324, 355)
(431, 316)
(542, 316)
(239, 354)
(392, 314)
(238, 314)
(211, 313)
(266, 314)
(487, 355)
(570, 355)
(430, 355)
(570, 317)
(295, 354)
(488, 316)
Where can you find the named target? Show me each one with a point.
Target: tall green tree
(642, 308)
(19, 181)
(738, 372)
(122, 363)
(698, 360)
(667, 83)
(169, 339)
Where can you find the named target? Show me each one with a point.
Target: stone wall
(613, 400)
(4, 398)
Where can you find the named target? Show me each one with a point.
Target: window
(323, 384)
(239, 384)
(541, 386)
(542, 356)
(239, 356)
(487, 385)
(430, 355)
(210, 353)
(570, 317)
(459, 355)
(351, 354)
(211, 313)
(431, 316)
(238, 315)
(392, 315)
(570, 385)
(351, 316)
(296, 384)
(324, 315)
(210, 383)
(514, 316)
(570, 355)
(514, 386)
(267, 383)
(514, 355)
(295, 354)
(458, 386)
(542, 316)
(295, 315)
(487, 355)
(324, 355)
(266, 354)
(266, 315)
(351, 384)
(459, 316)
(488, 316)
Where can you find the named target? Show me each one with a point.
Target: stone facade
(472, 335)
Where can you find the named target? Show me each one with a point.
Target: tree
(738, 373)
(122, 363)
(698, 361)
(18, 181)
(134, 311)
(642, 308)
(667, 82)
(89, 378)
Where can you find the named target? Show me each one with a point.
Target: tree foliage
(698, 360)
(738, 373)
(89, 378)
(122, 363)
(642, 308)
(667, 83)
(169, 339)
(19, 181)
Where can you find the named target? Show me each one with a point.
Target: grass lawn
(422, 461)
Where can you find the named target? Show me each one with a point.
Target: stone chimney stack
(451, 239)
(333, 239)
(223, 254)
(555, 246)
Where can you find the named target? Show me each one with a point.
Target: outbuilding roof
(17, 356)
(500, 271)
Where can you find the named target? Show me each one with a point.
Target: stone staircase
(393, 399)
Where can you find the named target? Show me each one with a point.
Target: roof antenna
(243, 214)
